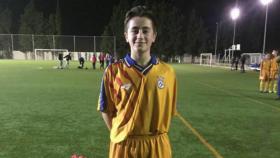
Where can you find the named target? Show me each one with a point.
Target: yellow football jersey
(265, 65)
(274, 64)
(141, 100)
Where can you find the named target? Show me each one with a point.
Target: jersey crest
(160, 82)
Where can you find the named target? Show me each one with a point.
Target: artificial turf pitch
(51, 113)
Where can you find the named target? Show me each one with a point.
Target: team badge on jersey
(160, 82)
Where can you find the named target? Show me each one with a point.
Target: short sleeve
(174, 101)
(105, 100)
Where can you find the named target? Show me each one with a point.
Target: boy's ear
(126, 38)
(155, 37)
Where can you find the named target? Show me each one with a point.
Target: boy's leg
(275, 86)
(266, 84)
(272, 81)
(261, 85)
(66, 64)
(270, 86)
(61, 64)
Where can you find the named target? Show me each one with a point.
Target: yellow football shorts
(264, 76)
(156, 146)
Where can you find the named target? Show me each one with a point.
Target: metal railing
(13, 43)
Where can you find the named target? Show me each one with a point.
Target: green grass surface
(51, 113)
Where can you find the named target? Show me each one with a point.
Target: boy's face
(140, 34)
(274, 53)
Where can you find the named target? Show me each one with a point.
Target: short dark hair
(141, 11)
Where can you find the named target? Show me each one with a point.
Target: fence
(13, 44)
(252, 58)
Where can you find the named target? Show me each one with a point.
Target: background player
(264, 73)
(273, 73)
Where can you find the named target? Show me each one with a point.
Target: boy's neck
(141, 59)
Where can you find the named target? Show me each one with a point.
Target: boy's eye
(145, 31)
(134, 31)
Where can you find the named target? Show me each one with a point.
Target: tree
(31, 22)
(225, 35)
(163, 43)
(169, 29)
(251, 34)
(197, 36)
(116, 26)
(5, 21)
(54, 25)
(5, 28)
(107, 43)
(55, 21)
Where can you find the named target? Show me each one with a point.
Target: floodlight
(266, 2)
(235, 12)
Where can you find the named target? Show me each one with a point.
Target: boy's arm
(107, 119)
(105, 101)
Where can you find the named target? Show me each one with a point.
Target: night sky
(89, 17)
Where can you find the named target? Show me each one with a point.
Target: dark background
(89, 17)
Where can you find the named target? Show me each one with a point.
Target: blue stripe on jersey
(132, 62)
(154, 60)
(129, 60)
(102, 97)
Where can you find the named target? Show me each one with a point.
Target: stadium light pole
(235, 12)
(216, 40)
(265, 3)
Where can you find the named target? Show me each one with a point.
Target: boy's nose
(140, 34)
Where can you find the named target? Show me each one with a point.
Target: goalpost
(48, 54)
(254, 58)
(206, 59)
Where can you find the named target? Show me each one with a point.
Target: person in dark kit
(93, 60)
(101, 60)
(81, 61)
(232, 61)
(236, 63)
(108, 59)
(112, 60)
(60, 58)
(68, 58)
(243, 60)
